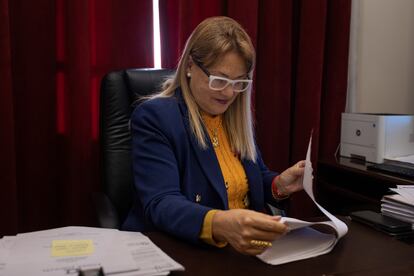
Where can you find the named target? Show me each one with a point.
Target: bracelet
(275, 191)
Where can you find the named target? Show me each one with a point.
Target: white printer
(374, 137)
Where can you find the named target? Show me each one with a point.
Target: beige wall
(381, 68)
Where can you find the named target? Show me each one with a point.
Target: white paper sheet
(147, 256)
(406, 191)
(303, 241)
(5, 244)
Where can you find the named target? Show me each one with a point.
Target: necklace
(213, 124)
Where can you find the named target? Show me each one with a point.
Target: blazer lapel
(255, 185)
(206, 157)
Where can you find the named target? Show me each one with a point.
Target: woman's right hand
(239, 227)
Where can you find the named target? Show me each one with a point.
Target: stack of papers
(400, 205)
(303, 241)
(64, 251)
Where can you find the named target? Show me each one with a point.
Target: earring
(188, 75)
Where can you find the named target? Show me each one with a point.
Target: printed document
(303, 241)
(66, 250)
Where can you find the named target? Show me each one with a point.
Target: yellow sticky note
(63, 248)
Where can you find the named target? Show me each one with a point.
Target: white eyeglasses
(219, 83)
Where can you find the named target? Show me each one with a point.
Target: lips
(223, 102)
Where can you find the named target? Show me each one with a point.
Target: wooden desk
(343, 186)
(362, 251)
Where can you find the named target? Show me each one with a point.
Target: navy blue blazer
(176, 181)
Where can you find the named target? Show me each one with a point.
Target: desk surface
(363, 251)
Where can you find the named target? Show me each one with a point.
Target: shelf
(344, 186)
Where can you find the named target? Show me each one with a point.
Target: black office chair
(119, 93)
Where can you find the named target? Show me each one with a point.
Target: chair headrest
(144, 82)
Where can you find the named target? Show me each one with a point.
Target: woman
(198, 173)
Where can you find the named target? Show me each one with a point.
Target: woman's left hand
(290, 180)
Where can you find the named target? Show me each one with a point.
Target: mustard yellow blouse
(233, 173)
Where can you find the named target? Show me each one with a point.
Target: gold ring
(260, 244)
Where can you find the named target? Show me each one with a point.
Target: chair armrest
(105, 211)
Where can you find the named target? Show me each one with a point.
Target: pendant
(215, 141)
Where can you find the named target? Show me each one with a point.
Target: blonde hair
(211, 39)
